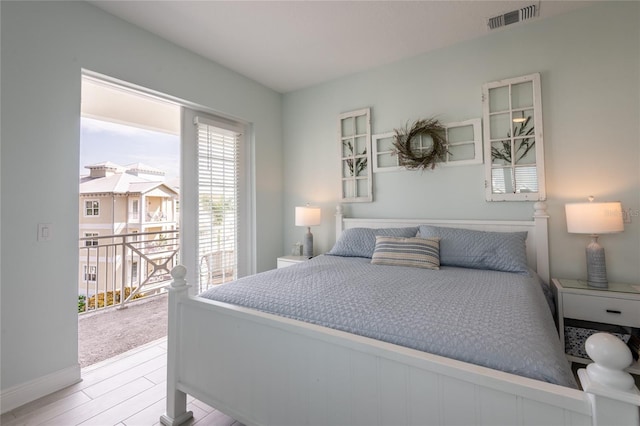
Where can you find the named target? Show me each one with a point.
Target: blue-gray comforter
(495, 319)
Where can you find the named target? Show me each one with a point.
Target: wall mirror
(513, 141)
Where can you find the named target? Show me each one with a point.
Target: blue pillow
(361, 242)
(466, 248)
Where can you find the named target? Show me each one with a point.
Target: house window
(92, 208)
(90, 273)
(135, 209)
(90, 243)
(134, 272)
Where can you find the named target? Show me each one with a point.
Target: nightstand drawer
(607, 310)
(286, 261)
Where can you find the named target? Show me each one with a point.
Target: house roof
(144, 168)
(105, 165)
(121, 183)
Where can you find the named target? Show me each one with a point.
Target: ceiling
(288, 45)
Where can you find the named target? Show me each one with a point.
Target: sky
(102, 141)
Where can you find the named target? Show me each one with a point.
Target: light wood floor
(128, 390)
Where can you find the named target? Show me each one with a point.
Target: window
(134, 272)
(512, 110)
(92, 208)
(90, 243)
(135, 209)
(90, 273)
(218, 201)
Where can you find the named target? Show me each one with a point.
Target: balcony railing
(115, 269)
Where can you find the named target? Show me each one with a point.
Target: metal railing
(115, 269)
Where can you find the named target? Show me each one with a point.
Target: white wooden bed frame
(262, 369)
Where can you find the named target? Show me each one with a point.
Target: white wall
(589, 62)
(45, 45)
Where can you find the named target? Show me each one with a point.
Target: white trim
(24, 393)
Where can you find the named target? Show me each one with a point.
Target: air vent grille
(513, 17)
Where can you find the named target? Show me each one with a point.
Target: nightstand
(582, 309)
(286, 261)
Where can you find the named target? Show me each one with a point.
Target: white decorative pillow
(415, 252)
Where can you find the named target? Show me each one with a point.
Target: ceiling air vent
(513, 17)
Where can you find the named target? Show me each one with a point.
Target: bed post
(339, 221)
(541, 218)
(614, 397)
(176, 413)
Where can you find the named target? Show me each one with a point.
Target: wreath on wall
(410, 154)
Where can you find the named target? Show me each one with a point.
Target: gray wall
(589, 64)
(45, 45)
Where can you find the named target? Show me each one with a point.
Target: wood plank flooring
(127, 390)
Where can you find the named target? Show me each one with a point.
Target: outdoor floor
(106, 333)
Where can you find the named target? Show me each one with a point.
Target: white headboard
(537, 231)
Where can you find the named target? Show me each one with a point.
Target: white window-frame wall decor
(384, 159)
(512, 114)
(354, 134)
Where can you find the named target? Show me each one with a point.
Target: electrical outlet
(44, 232)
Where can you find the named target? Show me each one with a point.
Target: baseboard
(24, 393)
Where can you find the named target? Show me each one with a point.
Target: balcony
(116, 269)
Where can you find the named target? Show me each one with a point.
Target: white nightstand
(285, 261)
(619, 305)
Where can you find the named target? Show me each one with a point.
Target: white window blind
(218, 203)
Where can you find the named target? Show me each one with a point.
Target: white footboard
(263, 369)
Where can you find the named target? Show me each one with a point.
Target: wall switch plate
(44, 231)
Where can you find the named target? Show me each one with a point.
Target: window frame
(359, 184)
(536, 108)
(189, 197)
(90, 273)
(91, 243)
(91, 211)
(476, 141)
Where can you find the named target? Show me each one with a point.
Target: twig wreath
(405, 148)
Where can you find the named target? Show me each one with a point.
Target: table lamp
(594, 219)
(308, 216)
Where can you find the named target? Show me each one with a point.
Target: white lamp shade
(594, 218)
(307, 216)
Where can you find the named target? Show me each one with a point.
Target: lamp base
(308, 244)
(596, 265)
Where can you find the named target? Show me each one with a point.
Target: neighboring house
(122, 201)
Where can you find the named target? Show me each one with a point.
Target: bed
(463, 336)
